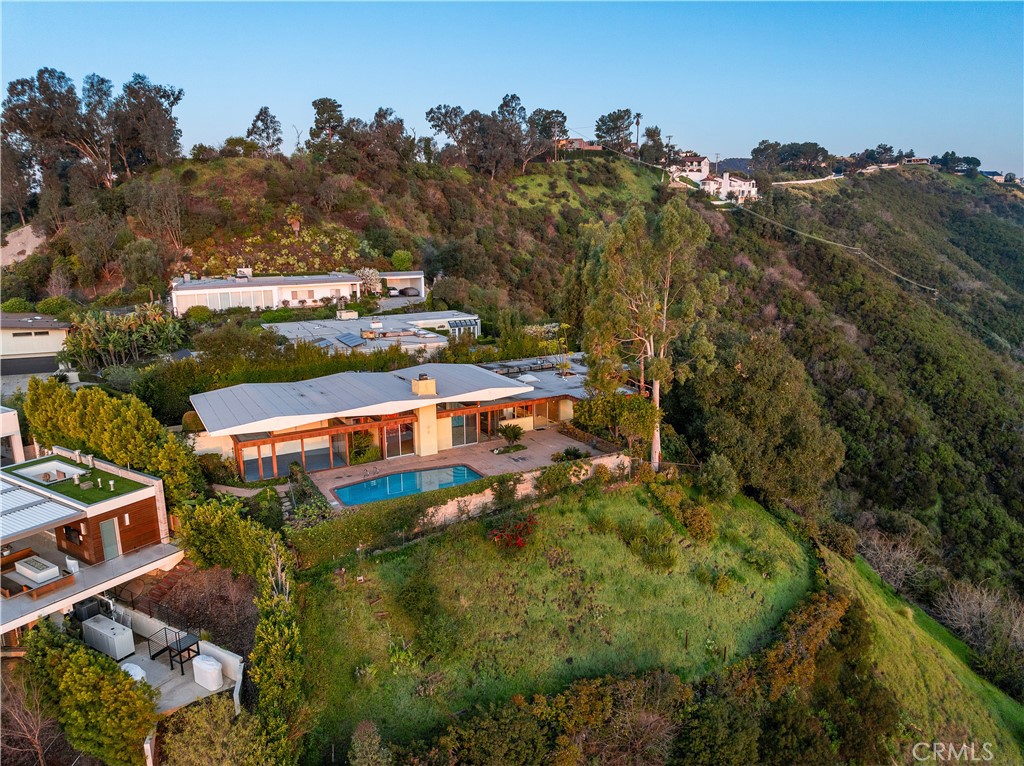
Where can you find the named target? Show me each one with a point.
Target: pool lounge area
(405, 483)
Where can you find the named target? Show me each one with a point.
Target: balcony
(26, 599)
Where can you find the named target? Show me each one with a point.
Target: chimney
(188, 276)
(78, 456)
(424, 385)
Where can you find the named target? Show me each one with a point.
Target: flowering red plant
(514, 534)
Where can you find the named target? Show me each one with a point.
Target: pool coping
(343, 504)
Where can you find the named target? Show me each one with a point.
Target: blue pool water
(405, 483)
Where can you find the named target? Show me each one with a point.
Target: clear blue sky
(717, 77)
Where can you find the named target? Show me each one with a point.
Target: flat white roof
(237, 283)
(258, 407)
(343, 333)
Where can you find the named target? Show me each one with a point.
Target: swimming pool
(405, 483)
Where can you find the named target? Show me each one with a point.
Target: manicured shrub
(717, 479)
(602, 474)
(199, 315)
(569, 453)
(511, 433)
(191, 423)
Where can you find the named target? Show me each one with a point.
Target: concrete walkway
(540, 445)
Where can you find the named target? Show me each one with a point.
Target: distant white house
(741, 189)
(994, 175)
(416, 333)
(247, 291)
(692, 166)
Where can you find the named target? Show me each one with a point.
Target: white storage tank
(208, 672)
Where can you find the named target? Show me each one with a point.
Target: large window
(464, 430)
(400, 440)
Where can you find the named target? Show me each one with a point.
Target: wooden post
(686, 645)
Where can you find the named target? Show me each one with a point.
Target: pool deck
(540, 445)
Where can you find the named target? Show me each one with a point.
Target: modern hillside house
(356, 417)
(414, 333)
(72, 527)
(248, 291)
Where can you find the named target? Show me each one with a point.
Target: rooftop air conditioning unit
(376, 324)
(347, 314)
(246, 272)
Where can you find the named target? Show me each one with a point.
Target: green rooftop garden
(93, 486)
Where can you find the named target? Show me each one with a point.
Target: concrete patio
(176, 690)
(540, 445)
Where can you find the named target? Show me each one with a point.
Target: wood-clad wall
(143, 528)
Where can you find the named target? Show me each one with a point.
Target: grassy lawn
(926, 667)
(484, 624)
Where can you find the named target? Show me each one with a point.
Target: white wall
(38, 343)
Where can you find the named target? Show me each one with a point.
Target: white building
(258, 293)
(692, 166)
(411, 332)
(12, 450)
(742, 189)
(29, 343)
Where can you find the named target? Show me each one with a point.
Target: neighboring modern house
(29, 343)
(12, 448)
(340, 419)
(412, 332)
(994, 175)
(742, 189)
(915, 160)
(692, 166)
(72, 527)
(257, 293)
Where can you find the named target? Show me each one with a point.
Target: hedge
(377, 525)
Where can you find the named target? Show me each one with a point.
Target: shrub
(602, 474)
(199, 315)
(218, 470)
(121, 377)
(401, 260)
(284, 314)
(191, 423)
(209, 732)
(101, 709)
(515, 533)
(841, 538)
(58, 306)
(699, 523)
(367, 748)
(717, 478)
(555, 478)
(17, 306)
(265, 508)
(569, 453)
(645, 473)
(504, 489)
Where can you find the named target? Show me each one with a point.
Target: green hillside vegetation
(454, 621)
(927, 668)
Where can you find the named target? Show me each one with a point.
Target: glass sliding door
(399, 440)
(464, 430)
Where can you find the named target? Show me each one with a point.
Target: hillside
(576, 603)
(927, 668)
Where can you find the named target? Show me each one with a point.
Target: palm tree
(511, 433)
(638, 118)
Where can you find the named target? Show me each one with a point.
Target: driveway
(540, 445)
